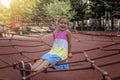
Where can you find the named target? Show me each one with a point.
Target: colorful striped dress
(59, 50)
(60, 45)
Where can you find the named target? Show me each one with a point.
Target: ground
(101, 47)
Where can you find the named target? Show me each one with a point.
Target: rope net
(91, 51)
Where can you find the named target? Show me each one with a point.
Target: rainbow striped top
(60, 45)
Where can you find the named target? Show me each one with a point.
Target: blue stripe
(61, 43)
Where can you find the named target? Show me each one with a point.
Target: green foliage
(31, 10)
(100, 6)
(57, 8)
(4, 15)
(23, 10)
(80, 8)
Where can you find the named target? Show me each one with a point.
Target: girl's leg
(42, 65)
(35, 65)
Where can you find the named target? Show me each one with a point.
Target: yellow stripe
(61, 52)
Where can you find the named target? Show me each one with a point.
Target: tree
(81, 9)
(4, 13)
(79, 6)
(23, 10)
(57, 8)
(105, 8)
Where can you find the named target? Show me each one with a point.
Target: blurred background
(35, 16)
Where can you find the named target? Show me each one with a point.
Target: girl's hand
(70, 55)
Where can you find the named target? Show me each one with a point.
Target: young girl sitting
(61, 49)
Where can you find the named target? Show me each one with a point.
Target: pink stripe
(61, 35)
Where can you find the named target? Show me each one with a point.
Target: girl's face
(63, 24)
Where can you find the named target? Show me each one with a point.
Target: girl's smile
(63, 24)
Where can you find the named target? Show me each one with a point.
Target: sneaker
(28, 67)
(22, 66)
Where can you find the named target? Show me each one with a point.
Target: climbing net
(30, 48)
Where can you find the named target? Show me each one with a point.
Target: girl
(61, 49)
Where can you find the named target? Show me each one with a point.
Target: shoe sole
(22, 65)
(29, 67)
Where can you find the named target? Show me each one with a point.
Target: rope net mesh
(95, 56)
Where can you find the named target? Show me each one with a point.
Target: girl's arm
(53, 35)
(69, 43)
